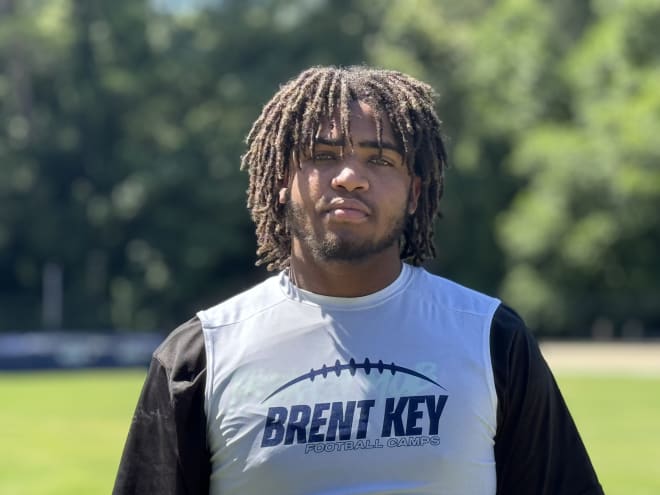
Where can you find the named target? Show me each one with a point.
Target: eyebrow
(340, 143)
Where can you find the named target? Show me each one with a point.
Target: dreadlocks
(289, 124)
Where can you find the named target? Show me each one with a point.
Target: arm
(166, 451)
(538, 449)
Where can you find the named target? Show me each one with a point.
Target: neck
(345, 278)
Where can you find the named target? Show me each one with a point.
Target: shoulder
(245, 305)
(515, 354)
(452, 295)
(508, 331)
(182, 353)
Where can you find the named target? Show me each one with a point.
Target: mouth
(347, 210)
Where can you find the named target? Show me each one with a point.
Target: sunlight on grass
(63, 432)
(618, 420)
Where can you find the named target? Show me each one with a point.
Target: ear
(283, 195)
(415, 190)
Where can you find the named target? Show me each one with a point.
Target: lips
(347, 209)
(348, 204)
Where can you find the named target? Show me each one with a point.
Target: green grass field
(62, 433)
(618, 418)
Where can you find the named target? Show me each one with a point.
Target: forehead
(362, 125)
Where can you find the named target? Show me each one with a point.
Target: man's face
(350, 207)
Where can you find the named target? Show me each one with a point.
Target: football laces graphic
(352, 366)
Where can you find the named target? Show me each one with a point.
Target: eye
(324, 156)
(381, 161)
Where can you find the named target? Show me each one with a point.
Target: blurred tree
(124, 122)
(125, 125)
(489, 62)
(582, 235)
(550, 110)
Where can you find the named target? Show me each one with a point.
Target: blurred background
(123, 122)
(122, 207)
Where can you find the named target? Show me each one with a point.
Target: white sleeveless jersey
(389, 393)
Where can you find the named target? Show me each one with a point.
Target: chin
(337, 248)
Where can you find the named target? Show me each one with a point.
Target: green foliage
(583, 225)
(124, 155)
(552, 115)
(124, 125)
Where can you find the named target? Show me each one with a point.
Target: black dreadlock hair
(289, 123)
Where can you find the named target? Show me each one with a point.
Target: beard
(347, 247)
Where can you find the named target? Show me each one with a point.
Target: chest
(320, 403)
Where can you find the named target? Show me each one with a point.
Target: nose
(350, 176)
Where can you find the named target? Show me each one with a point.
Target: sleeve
(538, 449)
(166, 450)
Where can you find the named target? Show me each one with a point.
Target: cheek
(305, 187)
(397, 189)
(397, 198)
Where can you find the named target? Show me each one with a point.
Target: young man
(350, 371)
